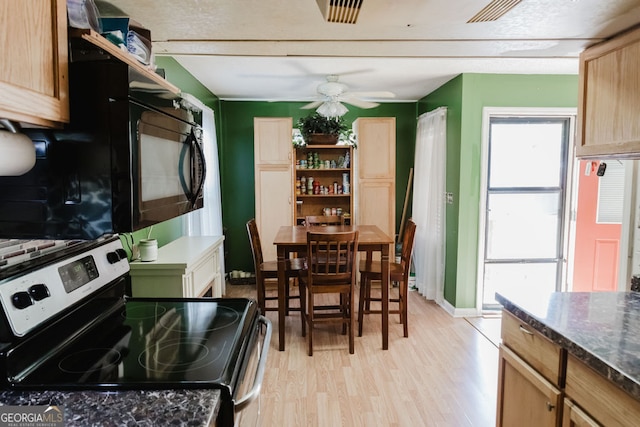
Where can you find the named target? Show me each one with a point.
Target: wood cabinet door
(376, 202)
(525, 398)
(34, 67)
(272, 140)
(274, 198)
(573, 416)
(376, 147)
(609, 98)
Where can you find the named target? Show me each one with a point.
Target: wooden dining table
(370, 239)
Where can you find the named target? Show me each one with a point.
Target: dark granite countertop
(601, 328)
(127, 407)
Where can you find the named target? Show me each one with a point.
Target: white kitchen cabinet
(188, 267)
(34, 67)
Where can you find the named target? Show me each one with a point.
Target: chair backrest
(324, 220)
(407, 247)
(256, 246)
(331, 257)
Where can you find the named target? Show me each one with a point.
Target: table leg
(384, 271)
(282, 298)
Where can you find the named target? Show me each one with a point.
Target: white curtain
(429, 203)
(208, 220)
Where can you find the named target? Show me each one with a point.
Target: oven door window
(171, 168)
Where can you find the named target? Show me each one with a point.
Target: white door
(522, 244)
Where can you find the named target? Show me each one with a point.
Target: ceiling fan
(335, 95)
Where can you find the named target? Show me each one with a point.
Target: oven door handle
(262, 363)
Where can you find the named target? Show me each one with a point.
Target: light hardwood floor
(444, 374)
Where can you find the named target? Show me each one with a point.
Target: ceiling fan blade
(359, 102)
(373, 94)
(311, 105)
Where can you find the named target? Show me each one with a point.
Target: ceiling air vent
(340, 11)
(494, 10)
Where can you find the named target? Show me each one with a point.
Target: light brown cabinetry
(327, 181)
(529, 377)
(273, 152)
(599, 400)
(573, 416)
(375, 193)
(609, 98)
(34, 67)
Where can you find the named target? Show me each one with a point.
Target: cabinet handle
(550, 407)
(524, 330)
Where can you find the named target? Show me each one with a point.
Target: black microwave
(130, 157)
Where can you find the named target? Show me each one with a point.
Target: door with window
(599, 217)
(524, 201)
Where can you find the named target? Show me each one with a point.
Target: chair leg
(351, 320)
(303, 307)
(361, 304)
(287, 295)
(344, 309)
(310, 323)
(261, 295)
(404, 299)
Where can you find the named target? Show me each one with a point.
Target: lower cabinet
(573, 416)
(188, 267)
(599, 401)
(525, 398)
(529, 377)
(539, 385)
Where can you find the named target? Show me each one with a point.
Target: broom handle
(404, 208)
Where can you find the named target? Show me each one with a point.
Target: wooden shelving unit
(327, 174)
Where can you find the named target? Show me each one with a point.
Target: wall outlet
(449, 197)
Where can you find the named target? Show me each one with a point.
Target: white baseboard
(458, 312)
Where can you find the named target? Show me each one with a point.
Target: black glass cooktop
(148, 344)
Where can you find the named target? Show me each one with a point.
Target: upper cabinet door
(376, 147)
(34, 66)
(273, 140)
(609, 98)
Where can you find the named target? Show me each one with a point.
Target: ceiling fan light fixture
(340, 11)
(332, 109)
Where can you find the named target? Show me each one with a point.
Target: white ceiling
(280, 50)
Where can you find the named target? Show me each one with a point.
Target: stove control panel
(33, 298)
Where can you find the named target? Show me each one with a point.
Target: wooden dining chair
(398, 272)
(269, 270)
(324, 220)
(331, 269)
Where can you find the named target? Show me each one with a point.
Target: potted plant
(317, 129)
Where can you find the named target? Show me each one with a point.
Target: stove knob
(121, 253)
(39, 291)
(21, 300)
(113, 257)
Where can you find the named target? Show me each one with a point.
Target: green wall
(466, 96)
(237, 162)
(450, 95)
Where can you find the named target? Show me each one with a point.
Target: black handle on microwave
(200, 150)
